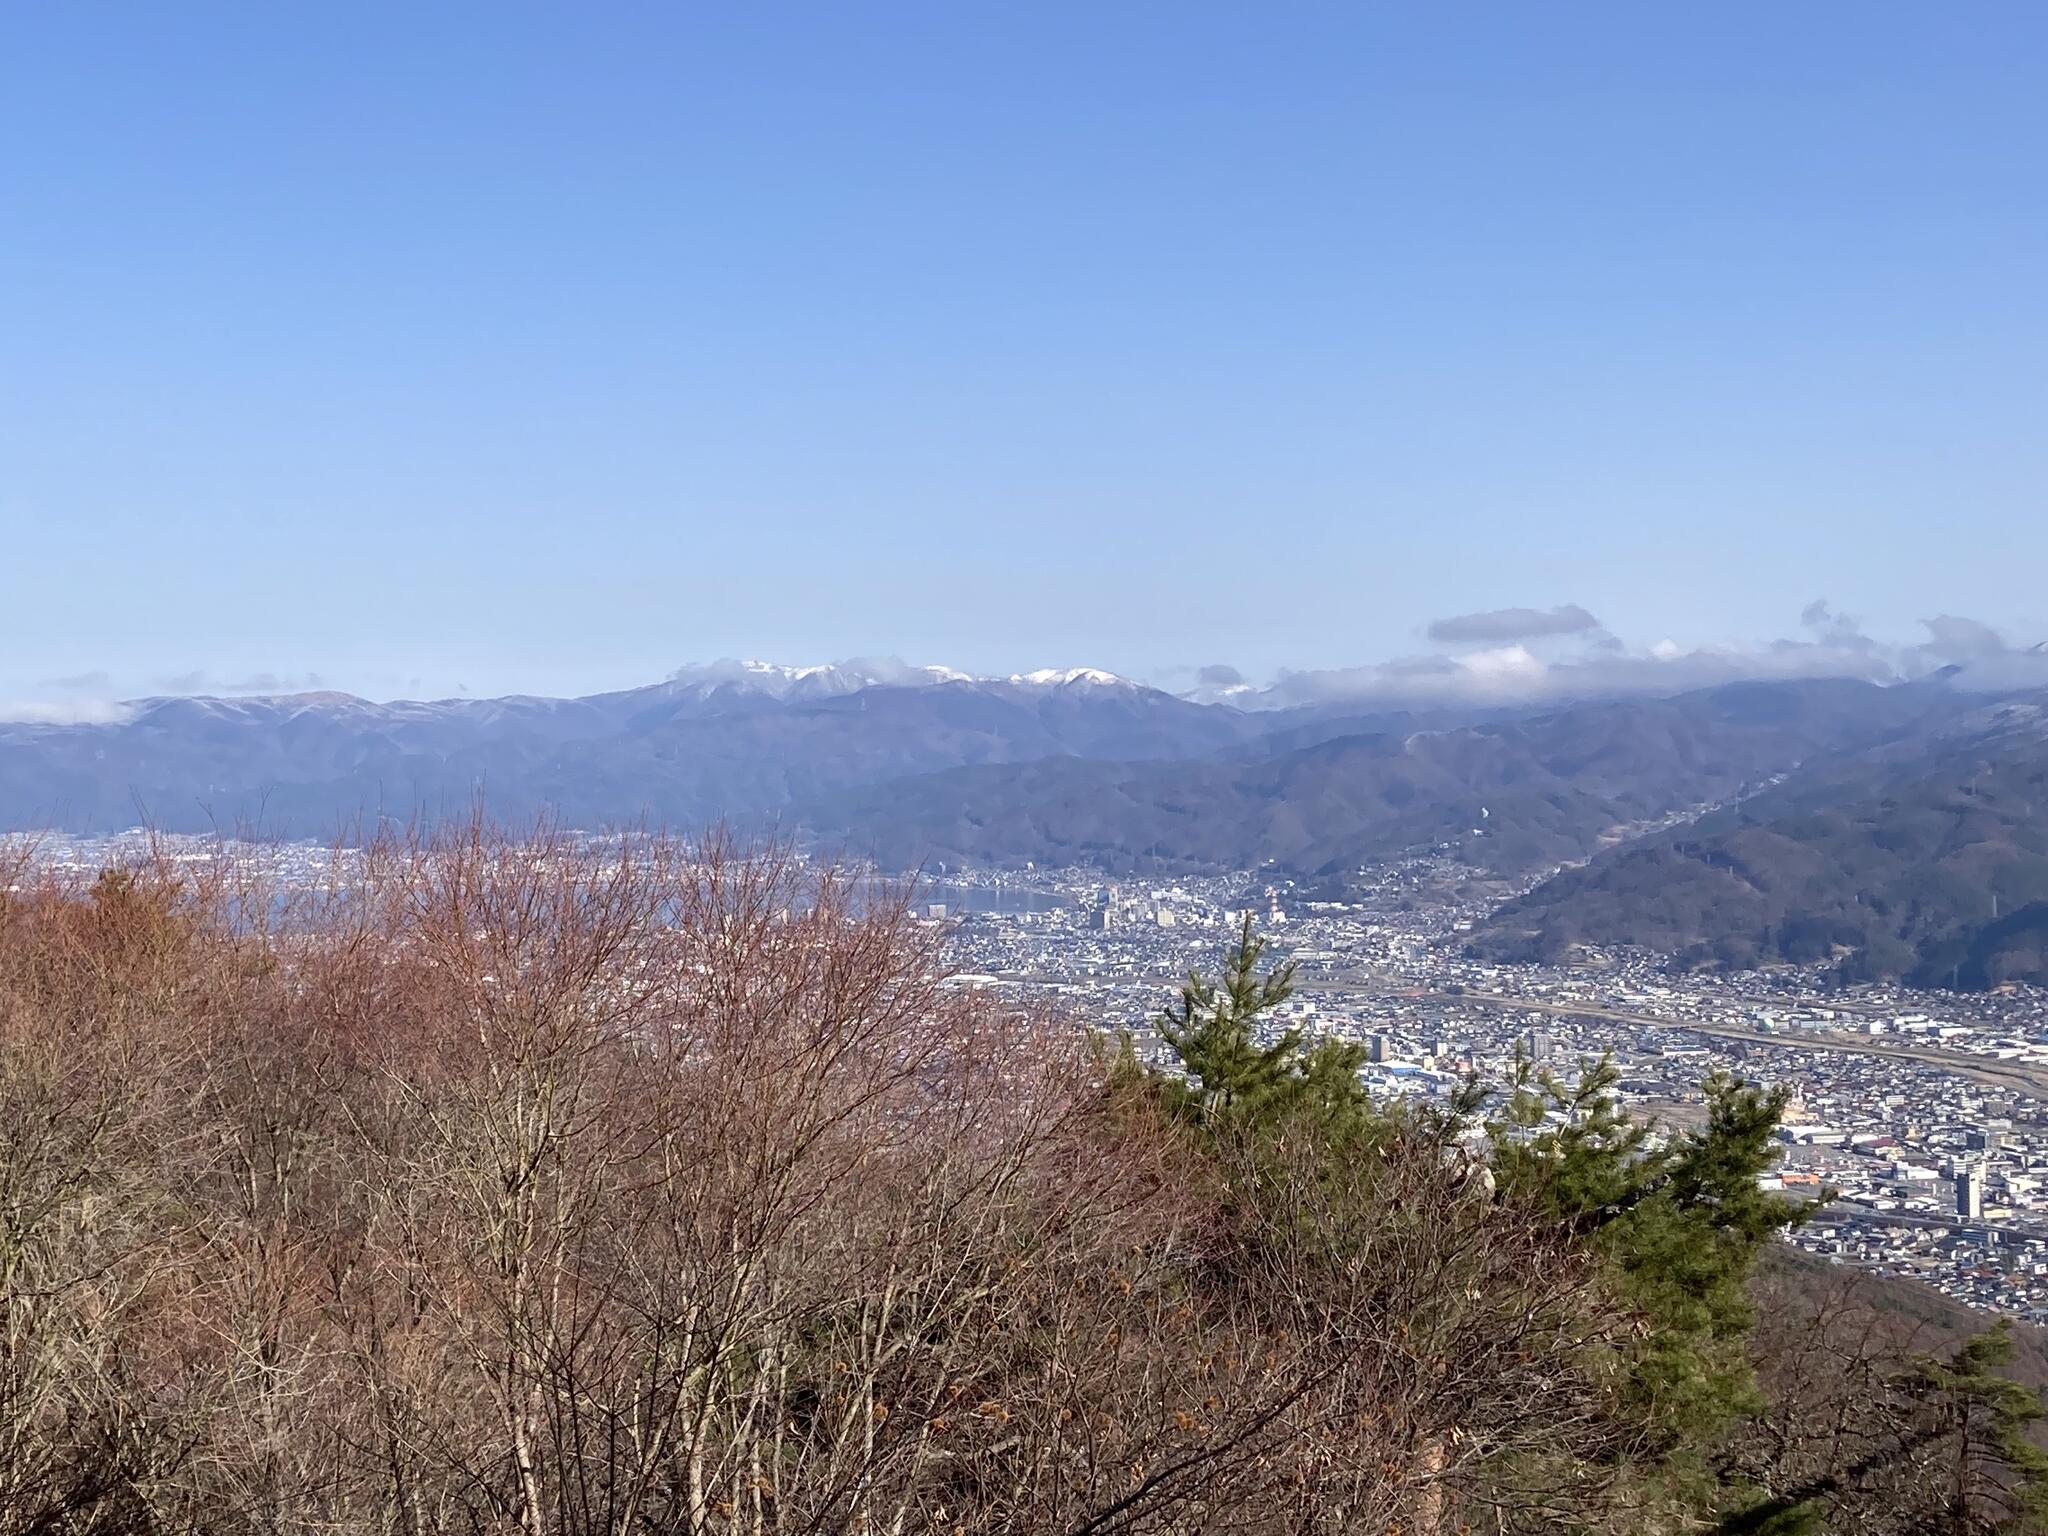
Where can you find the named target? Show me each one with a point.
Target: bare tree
(542, 1184)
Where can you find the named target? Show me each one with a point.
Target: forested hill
(1925, 859)
(923, 767)
(1508, 795)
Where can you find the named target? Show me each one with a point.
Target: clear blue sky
(549, 347)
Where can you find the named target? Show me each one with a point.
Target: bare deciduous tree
(545, 1184)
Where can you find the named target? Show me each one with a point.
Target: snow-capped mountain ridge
(1055, 677)
(746, 741)
(724, 683)
(781, 681)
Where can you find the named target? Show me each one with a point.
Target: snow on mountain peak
(856, 673)
(781, 681)
(1055, 677)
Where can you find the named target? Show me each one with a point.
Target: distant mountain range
(1321, 796)
(1902, 828)
(917, 762)
(739, 740)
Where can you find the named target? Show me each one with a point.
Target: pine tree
(1995, 1476)
(1230, 1080)
(1680, 1224)
(1956, 1457)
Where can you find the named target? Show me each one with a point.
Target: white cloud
(1976, 655)
(64, 712)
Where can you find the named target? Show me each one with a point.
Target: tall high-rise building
(1104, 916)
(1970, 1192)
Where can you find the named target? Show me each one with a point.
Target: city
(1921, 1113)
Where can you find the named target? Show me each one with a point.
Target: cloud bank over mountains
(74, 711)
(1515, 656)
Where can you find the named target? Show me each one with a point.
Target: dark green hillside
(1929, 863)
(1510, 795)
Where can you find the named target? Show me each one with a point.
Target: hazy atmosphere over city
(1063, 770)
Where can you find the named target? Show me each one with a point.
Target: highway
(2002, 1074)
(2032, 1080)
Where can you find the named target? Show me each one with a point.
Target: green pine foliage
(1995, 1476)
(1232, 1082)
(1957, 1456)
(1676, 1224)
(1680, 1222)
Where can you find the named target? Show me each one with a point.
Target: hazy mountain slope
(1926, 857)
(760, 762)
(1907, 1317)
(1513, 794)
(688, 750)
(923, 765)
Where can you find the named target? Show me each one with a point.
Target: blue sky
(533, 347)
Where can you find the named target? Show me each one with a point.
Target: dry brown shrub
(535, 1183)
